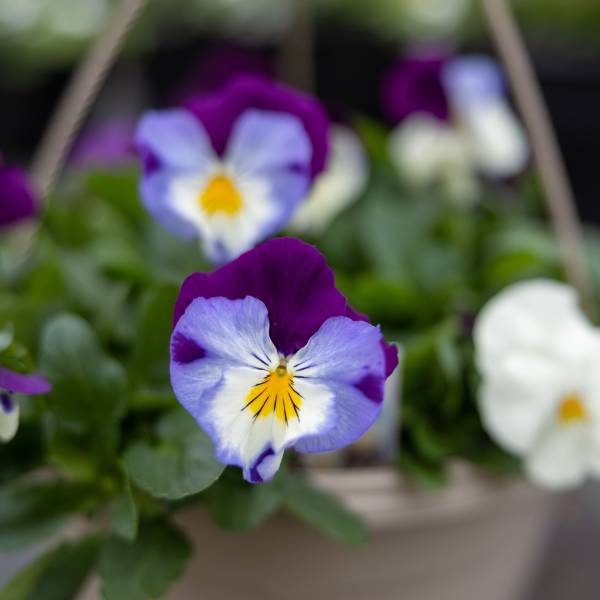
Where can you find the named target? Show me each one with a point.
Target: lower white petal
(9, 422)
(560, 458)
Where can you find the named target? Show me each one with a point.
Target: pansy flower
(455, 123)
(538, 357)
(477, 95)
(266, 354)
(17, 198)
(16, 383)
(232, 166)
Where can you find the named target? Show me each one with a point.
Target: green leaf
(238, 506)
(181, 463)
(89, 388)
(56, 575)
(322, 511)
(120, 190)
(143, 569)
(32, 511)
(124, 514)
(150, 361)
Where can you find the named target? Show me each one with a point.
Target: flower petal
(9, 418)
(345, 356)
(294, 282)
(414, 85)
(175, 139)
(156, 190)
(23, 384)
(219, 111)
(342, 182)
(538, 316)
(497, 142)
(520, 400)
(560, 459)
(17, 199)
(220, 356)
(290, 277)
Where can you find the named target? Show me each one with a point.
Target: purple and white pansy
(266, 354)
(16, 383)
(232, 166)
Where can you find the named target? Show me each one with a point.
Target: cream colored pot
(477, 539)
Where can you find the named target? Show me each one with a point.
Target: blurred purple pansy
(266, 354)
(17, 198)
(232, 167)
(414, 85)
(16, 383)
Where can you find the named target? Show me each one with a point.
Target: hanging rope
(79, 96)
(558, 194)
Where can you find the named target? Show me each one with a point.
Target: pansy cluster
(454, 123)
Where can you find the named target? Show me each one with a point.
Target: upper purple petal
(17, 199)
(414, 84)
(219, 111)
(23, 384)
(294, 282)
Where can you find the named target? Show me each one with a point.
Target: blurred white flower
(341, 184)
(475, 91)
(430, 153)
(540, 394)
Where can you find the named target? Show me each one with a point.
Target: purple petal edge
(23, 384)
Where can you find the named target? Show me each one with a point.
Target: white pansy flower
(430, 153)
(540, 394)
(341, 184)
(496, 141)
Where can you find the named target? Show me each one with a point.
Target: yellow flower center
(571, 409)
(220, 196)
(275, 394)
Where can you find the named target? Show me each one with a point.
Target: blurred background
(339, 51)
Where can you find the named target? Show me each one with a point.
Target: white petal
(9, 422)
(538, 316)
(560, 459)
(496, 139)
(342, 182)
(515, 414)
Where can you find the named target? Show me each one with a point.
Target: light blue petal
(273, 148)
(219, 349)
(264, 141)
(155, 190)
(176, 138)
(345, 356)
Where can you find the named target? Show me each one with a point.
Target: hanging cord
(558, 194)
(79, 96)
